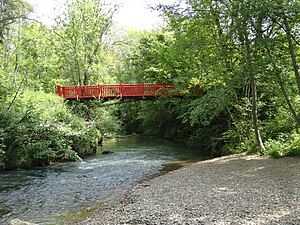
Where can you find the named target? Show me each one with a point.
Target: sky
(132, 13)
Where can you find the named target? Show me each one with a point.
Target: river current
(42, 195)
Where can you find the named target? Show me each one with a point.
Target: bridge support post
(121, 92)
(143, 90)
(58, 90)
(77, 92)
(98, 91)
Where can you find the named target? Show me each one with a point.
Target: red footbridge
(117, 91)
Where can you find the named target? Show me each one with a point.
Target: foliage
(105, 119)
(32, 135)
(74, 51)
(11, 11)
(284, 145)
(80, 41)
(130, 119)
(242, 55)
(160, 117)
(38, 128)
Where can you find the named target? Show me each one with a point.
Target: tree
(284, 20)
(82, 33)
(286, 15)
(10, 12)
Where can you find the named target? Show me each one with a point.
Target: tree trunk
(254, 97)
(292, 52)
(86, 78)
(77, 66)
(287, 100)
(282, 88)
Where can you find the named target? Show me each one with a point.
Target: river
(48, 195)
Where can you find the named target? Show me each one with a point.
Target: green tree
(10, 12)
(238, 51)
(82, 32)
(38, 128)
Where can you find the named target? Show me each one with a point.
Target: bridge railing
(121, 91)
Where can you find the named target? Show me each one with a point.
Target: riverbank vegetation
(236, 63)
(241, 61)
(36, 126)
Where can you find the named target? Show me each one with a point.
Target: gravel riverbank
(236, 189)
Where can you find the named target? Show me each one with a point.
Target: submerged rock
(20, 222)
(2, 166)
(100, 141)
(106, 152)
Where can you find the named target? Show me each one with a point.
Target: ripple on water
(59, 189)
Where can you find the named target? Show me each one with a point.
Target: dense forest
(236, 61)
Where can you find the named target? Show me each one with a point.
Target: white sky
(132, 14)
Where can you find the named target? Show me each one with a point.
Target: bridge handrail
(101, 91)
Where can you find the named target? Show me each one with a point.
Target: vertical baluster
(77, 92)
(121, 91)
(62, 91)
(58, 90)
(98, 91)
(143, 90)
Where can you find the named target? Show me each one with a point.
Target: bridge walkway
(117, 91)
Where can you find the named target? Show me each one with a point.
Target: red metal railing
(121, 91)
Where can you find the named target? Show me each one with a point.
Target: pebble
(237, 189)
(20, 222)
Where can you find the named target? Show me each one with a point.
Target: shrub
(284, 145)
(40, 129)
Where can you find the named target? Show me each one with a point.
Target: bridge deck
(113, 91)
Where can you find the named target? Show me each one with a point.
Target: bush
(160, 118)
(284, 145)
(104, 119)
(40, 129)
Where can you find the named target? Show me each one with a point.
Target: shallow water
(42, 194)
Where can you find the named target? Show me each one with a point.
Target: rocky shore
(236, 189)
